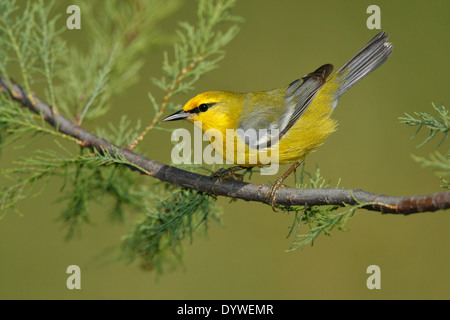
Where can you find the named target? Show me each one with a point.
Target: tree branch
(232, 188)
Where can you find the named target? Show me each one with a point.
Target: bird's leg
(273, 191)
(223, 174)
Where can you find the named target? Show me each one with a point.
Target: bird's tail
(370, 57)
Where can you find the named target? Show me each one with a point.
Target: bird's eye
(203, 107)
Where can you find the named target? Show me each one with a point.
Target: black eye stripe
(202, 108)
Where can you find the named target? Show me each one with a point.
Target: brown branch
(232, 188)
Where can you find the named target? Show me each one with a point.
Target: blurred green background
(245, 258)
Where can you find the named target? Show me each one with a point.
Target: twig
(232, 188)
(169, 92)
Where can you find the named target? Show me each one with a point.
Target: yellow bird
(288, 122)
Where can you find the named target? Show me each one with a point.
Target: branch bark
(232, 188)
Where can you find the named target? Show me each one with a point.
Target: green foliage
(119, 134)
(199, 50)
(81, 83)
(157, 239)
(87, 177)
(438, 125)
(28, 42)
(318, 219)
(119, 33)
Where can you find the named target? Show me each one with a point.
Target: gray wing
(269, 127)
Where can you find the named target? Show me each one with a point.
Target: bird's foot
(271, 195)
(225, 174)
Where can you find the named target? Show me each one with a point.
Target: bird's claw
(271, 195)
(225, 174)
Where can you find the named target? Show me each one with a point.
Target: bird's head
(214, 109)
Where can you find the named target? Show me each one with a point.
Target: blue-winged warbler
(288, 122)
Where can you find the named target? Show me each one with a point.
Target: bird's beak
(177, 116)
